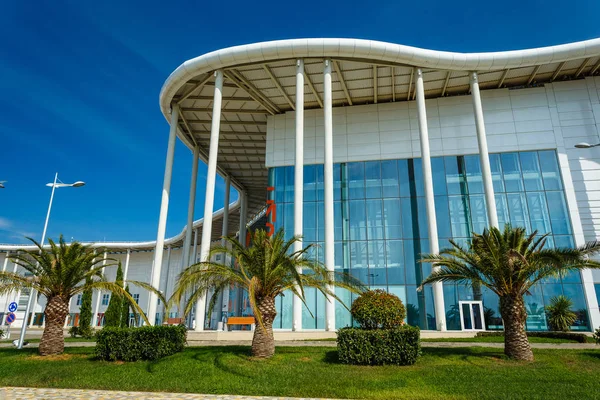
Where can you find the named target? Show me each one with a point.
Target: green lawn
(458, 373)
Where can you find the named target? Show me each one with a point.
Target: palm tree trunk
(263, 343)
(516, 344)
(53, 341)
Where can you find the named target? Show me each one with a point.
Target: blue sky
(79, 85)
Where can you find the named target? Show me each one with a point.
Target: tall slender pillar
(243, 217)
(438, 289)
(4, 265)
(299, 183)
(95, 318)
(185, 254)
(165, 311)
(211, 176)
(484, 157)
(328, 191)
(127, 258)
(223, 303)
(164, 209)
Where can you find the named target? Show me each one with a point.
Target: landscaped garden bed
(441, 373)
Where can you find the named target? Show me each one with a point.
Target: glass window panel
(308, 320)
(517, 209)
(337, 220)
(459, 211)
(491, 309)
(478, 213)
(356, 180)
(538, 212)
(430, 309)
(473, 172)
(390, 179)
(320, 182)
(377, 273)
(550, 170)
(286, 310)
(289, 185)
(563, 242)
(512, 172)
(358, 260)
(415, 170)
(277, 179)
(395, 262)
(451, 306)
(559, 217)
(342, 315)
(442, 215)
(373, 179)
(320, 206)
(399, 291)
(571, 277)
(309, 222)
(416, 312)
(438, 175)
(410, 221)
(597, 288)
(496, 167)
(374, 219)
(412, 249)
(422, 216)
(338, 255)
(392, 219)
(337, 181)
(310, 183)
(453, 177)
(358, 220)
(288, 219)
(502, 210)
(320, 317)
(466, 316)
(403, 178)
(530, 167)
(536, 314)
(575, 292)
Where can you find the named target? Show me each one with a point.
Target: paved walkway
(73, 394)
(302, 343)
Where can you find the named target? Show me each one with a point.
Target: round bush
(378, 309)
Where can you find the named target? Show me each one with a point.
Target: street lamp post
(584, 145)
(54, 185)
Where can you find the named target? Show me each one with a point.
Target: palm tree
(59, 273)
(266, 269)
(509, 263)
(560, 314)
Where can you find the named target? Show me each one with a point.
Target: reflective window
(381, 229)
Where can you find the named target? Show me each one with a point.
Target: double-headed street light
(56, 184)
(2, 184)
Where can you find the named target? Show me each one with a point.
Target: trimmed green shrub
(145, 343)
(398, 346)
(597, 336)
(378, 309)
(576, 337)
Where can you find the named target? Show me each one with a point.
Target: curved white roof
(260, 81)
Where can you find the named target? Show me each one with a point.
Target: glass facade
(381, 229)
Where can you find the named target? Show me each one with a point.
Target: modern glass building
(378, 153)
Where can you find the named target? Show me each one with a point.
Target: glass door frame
(462, 321)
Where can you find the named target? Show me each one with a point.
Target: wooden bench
(174, 321)
(241, 321)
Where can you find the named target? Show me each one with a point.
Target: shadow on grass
(218, 354)
(332, 357)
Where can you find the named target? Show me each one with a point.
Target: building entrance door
(471, 316)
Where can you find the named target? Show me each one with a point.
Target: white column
(438, 289)
(223, 306)
(95, 318)
(126, 267)
(165, 311)
(328, 192)
(211, 176)
(243, 217)
(484, 157)
(185, 260)
(164, 209)
(8, 294)
(299, 182)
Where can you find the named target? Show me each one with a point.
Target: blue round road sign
(12, 307)
(10, 318)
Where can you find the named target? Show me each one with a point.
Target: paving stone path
(74, 394)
